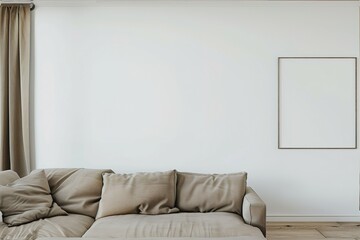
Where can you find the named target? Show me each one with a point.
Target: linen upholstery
(220, 225)
(144, 193)
(154, 238)
(72, 225)
(254, 210)
(210, 192)
(28, 199)
(76, 190)
(214, 224)
(14, 88)
(8, 176)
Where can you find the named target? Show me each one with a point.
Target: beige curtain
(14, 88)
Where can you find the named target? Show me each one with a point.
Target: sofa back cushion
(210, 192)
(144, 193)
(76, 190)
(28, 199)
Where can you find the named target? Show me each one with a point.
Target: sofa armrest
(254, 210)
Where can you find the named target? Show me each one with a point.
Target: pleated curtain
(14, 88)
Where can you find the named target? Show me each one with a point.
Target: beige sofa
(79, 191)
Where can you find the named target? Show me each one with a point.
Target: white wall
(147, 86)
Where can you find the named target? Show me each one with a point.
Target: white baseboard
(311, 218)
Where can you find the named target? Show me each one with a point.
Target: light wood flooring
(313, 231)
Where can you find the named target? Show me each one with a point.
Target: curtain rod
(32, 5)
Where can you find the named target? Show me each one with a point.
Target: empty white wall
(156, 85)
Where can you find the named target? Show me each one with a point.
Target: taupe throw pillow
(28, 199)
(210, 192)
(77, 190)
(144, 193)
(8, 176)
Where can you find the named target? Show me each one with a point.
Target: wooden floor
(313, 231)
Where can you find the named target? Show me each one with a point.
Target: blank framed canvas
(317, 103)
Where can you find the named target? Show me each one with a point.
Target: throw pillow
(7, 177)
(144, 193)
(210, 192)
(28, 199)
(77, 190)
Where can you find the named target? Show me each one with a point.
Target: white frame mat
(317, 102)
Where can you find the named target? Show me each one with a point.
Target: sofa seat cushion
(214, 224)
(73, 225)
